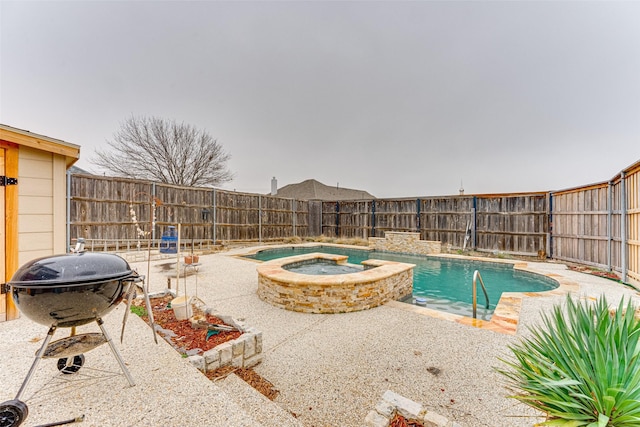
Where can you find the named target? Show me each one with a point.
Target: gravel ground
(330, 370)
(168, 390)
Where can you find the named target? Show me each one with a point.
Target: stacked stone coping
(392, 403)
(405, 242)
(380, 281)
(242, 352)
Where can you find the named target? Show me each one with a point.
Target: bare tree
(163, 150)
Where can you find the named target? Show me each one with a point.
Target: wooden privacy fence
(596, 225)
(120, 209)
(599, 224)
(516, 224)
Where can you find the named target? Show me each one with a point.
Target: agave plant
(581, 366)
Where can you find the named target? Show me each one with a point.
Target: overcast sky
(396, 98)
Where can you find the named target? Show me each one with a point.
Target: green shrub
(581, 366)
(139, 310)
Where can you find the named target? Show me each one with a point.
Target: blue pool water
(322, 268)
(445, 283)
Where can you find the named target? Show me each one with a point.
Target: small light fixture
(205, 214)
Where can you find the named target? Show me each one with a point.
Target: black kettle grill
(67, 291)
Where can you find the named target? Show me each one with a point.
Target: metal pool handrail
(476, 276)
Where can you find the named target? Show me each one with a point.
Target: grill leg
(152, 323)
(36, 362)
(116, 353)
(126, 312)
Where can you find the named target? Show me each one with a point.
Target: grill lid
(71, 268)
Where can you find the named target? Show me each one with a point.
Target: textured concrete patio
(330, 369)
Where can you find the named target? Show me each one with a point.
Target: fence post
(153, 212)
(373, 218)
(550, 225)
(623, 226)
(337, 219)
(418, 215)
(68, 248)
(260, 218)
(609, 223)
(548, 242)
(474, 212)
(213, 208)
(294, 207)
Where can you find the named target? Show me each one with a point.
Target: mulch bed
(596, 272)
(400, 421)
(187, 338)
(249, 376)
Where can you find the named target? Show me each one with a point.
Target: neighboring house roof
(315, 190)
(79, 171)
(40, 142)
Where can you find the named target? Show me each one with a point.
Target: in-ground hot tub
(357, 288)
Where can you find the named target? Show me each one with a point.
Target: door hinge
(4, 288)
(4, 181)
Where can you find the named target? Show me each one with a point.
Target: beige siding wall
(41, 201)
(59, 204)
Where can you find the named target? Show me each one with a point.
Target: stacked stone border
(242, 352)
(405, 242)
(392, 403)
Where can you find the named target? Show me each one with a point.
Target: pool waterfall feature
(378, 282)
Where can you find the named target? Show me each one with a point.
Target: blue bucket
(169, 241)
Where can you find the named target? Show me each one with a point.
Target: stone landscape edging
(242, 352)
(392, 403)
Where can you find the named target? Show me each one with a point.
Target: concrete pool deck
(330, 369)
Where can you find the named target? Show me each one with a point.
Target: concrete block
(197, 361)
(373, 419)
(213, 365)
(241, 326)
(259, 342)
(225, 353)
(385, 408)
(211, 356)
(237, 361)
(431, 419)
(227, 319)
(237, 347)
(249, 346)
(407, 408)
(253, 361)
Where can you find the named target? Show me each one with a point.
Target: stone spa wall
(404, 242)
(379, 282)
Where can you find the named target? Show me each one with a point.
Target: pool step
(261, 409)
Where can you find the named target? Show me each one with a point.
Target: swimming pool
(445, 283)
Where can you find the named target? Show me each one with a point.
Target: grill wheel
(13, 413)
(70, 367)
